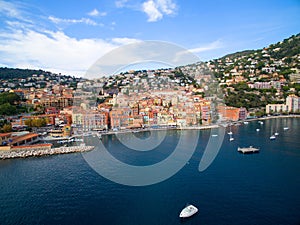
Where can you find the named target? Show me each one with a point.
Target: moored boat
(188, 211)
(273, 137)
(250, 149)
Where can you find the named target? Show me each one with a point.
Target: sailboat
(230, 132)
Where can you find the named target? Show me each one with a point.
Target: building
(229, 113)
(276, 108)
(293, 103)
(243, 114)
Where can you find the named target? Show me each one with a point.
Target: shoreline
(32, 151)
(223, 124)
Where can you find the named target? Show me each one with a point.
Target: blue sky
(68, 36)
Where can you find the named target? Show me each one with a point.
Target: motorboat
(276, 133)
(231, 139)
(214, 135)
(188, 211)
(273, 137)
(250, 149)
(257, 129)
(285, 128)
(246, 122)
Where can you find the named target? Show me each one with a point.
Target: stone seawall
(29, 152)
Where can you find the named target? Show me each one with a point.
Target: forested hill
(10, 73)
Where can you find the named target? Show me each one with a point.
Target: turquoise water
(249, 189)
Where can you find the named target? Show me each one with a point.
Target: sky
(69, 36)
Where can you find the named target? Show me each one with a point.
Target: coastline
(224, 124)
(38, 150)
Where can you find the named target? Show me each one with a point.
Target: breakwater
(40, 151)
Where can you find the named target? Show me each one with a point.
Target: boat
(188, 211)
(273, 137)
(261, 122)
(214, 135)
(285, 128)
(276, 133)
(257, 129)
(230, 132)
(246, 122)
(249, 149)
(231, 139)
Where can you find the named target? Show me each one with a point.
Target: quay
(250, 149)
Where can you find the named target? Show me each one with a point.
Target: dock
(250, 149)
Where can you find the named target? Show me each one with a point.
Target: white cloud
(124, 41)
(9, 10)
(54, 51)
(156, 9)
(95, 12)
(152, 11)
(86, 21)
(211, 46)
(120, 3)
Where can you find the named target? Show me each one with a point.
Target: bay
(260, 188)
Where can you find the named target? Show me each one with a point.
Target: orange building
(229, 113)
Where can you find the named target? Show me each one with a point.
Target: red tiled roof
(24, 137)
(32, 146)
(4, 134)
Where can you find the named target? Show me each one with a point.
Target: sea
(261, 188)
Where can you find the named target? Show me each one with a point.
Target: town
(40, 106)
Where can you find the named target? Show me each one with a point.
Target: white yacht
(188, 211)
(273, 137)
(276, 133)
(257, 129)
(285, 128)
(246, 122)
(231, 139)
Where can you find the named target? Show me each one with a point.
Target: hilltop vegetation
(255, 78)
(11, 73)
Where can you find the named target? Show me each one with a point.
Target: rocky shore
(40, 152)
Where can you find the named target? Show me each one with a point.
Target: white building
(293, 103)
(276, 108)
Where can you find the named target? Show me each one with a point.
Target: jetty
(250, 149)
(41, 150)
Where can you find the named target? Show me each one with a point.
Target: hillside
(11, 73)
(254, 78)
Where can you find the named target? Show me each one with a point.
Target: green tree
(7, 128)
